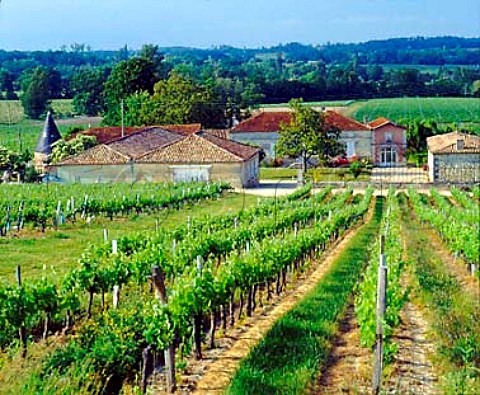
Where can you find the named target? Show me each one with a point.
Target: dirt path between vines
(412, 370)
(213, 375)
(349, 366)
(456, 266)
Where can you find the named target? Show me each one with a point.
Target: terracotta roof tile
(183, 129)
(271, 121)
(156, 145)
(192, 149)
(263, 122)
(98, 155)
(243, 151)
(342, 122)
(376, 123)
(222, 133)
(447, 143)
(110, 133)
(106, 134)
(143, 141)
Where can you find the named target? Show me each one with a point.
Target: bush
(356, 168)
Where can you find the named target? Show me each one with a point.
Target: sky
(110, 24)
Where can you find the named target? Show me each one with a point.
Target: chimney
(365, 120)
(460, 144)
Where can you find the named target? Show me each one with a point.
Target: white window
(389, 155)
(388, 137)
(350, 148)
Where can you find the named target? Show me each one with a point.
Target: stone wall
(455, 167)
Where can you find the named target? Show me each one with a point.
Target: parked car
(339, 161)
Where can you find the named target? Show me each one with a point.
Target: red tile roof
(382, 121)
(183, 129)
(376, 123)
(271, 121)
(242, 151)
(109, 133)
(342, 122)
(263, 122)
(143, 141)
(157, 145)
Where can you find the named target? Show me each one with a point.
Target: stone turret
(43, 150)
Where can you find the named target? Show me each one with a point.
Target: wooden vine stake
(158, 278)
(197, 320)
(381, 310)
(22, 330)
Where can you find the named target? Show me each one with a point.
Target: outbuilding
(454, 158)
(154, 154)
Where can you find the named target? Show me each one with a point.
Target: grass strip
(290, 355)
(455, 314)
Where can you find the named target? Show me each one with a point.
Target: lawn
(58, 251)
(19, 133)
(323, 174)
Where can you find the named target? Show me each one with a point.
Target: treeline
(230, 79)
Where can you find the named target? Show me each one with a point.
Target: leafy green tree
(308, 135)
(36, 97)
(128, 77)
(152, 52)
(62, 149)
(6, 84)
(177, 100)
(87, 86)
(417, 134)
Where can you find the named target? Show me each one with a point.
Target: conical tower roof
(49, 135)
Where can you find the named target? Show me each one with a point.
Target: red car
(339, 161)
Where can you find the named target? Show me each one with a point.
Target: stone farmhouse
(382, 141)
(454, 158)
(155, 154)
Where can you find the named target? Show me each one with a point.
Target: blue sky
(110, 24)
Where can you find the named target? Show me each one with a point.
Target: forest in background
(237, 78)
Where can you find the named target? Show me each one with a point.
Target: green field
(16, 131)
(456, 111)
(337, 103)
(442, 110)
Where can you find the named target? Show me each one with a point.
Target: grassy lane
(455, 315)
(289, 357)
(59, 250)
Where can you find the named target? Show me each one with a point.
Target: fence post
(158, 277)
(381, 309)
(114, 247)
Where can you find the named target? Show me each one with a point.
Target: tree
(308, 135)
(177, 100)
(87, 86)
(6, 84)
(36, 97)
(417, 134)
(62, 149)
(128, 77)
